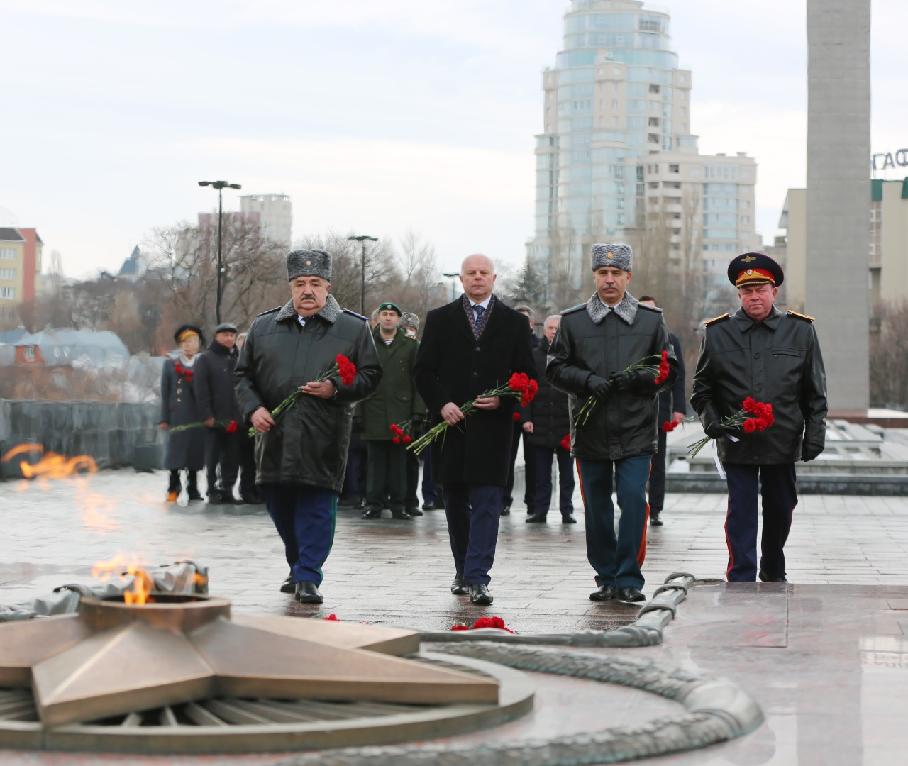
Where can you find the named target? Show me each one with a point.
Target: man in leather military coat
(301, 456)
(773, 357)
(597, 342)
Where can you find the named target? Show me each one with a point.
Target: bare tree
(889, 355)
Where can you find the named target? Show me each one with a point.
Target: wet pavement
(826, 657)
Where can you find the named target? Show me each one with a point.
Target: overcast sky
(375, 116)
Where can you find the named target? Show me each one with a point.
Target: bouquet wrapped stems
(519, 386)
(342, 366)
(656, 364)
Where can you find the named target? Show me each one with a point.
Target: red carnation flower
(664, 368)
(332, 617)
(346, 369)
(516, 417)
(407, 438)
(231, 427)
(750, 425)
(395, 440)
(565, 442)
(668, 426)
(751, 405)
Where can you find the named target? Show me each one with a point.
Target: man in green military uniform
(394, 402)
(774, 357)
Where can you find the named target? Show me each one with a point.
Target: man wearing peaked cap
(774, 357)
(301, 455)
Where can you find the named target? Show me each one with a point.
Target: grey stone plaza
(824, 656)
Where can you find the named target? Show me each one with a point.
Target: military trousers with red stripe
(616, 560)
(777, 485)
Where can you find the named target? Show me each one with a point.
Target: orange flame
(142, 583)
(51, 465)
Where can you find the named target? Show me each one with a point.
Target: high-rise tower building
(617, 123)
(275, 213)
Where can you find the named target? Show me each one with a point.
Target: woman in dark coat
(185, 449)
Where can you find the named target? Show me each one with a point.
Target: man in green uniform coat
(394, 402)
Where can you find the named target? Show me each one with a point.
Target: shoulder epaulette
(715, 320)
(572, 309)
(796, 315)
(354, 314)
(649, 308)
(270, 311)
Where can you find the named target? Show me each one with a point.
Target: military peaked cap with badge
(308, 263)
(618, 255)
(754, 269)
(389, 306)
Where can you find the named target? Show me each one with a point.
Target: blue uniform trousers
(777, 485)
(473, 513)
(616, 561)
(304, 517)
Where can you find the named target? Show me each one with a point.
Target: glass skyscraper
(614, 99)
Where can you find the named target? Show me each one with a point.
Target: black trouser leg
(247, 464)
(656, 489)
(173, 485)
(542, 463)
(778, 488)
(565, 481)
(213, 449)
(411, 500)
(529, 467)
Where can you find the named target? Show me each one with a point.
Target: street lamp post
(219, 185)
(453, 277)
(362, 239)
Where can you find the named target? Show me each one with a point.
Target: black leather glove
(622, 381)
(715, 430)
(810, 451)
(599, 386)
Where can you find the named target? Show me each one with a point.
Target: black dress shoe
(193, 494)
(402, 515)
(630, 595)
(289, 585)
(227, 498)
(654, 520)
(372, 513)
(506, 511)
(479, 594)
(536, 518)
(604, 593)
(307, 593)
(414, 511)
(459, 587)
(568, 518)
(766, 578)
(428, 506)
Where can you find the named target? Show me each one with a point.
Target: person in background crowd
(775, 358)
(373, 319)
(394, 402)
(185, 449)
(217, 405)
(248, 491)
(594, 354)
(301, 457)
(672, 410)
(470, 346)
(546, 424)
(409, 323)
(529, 467)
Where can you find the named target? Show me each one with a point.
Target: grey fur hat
(308, 263)
(613, 254)
(409, 319)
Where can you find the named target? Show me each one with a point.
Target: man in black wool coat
(470, 346)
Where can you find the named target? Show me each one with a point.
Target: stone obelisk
(838, 194)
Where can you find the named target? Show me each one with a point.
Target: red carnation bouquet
(484, 622)
(753, 416)
(656, 364)
(565, 442)
(183, 372)
(342, 366)
(669, 425)
(401, 433)
(519, 386)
